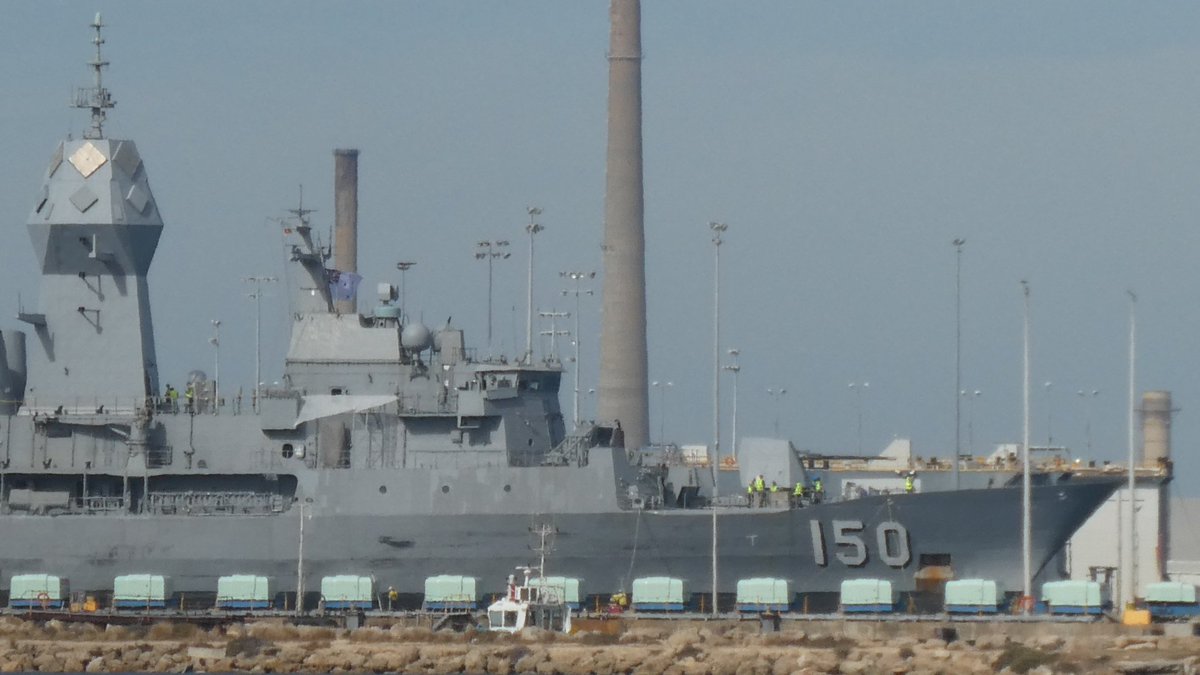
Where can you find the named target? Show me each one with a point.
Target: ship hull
(975, 532)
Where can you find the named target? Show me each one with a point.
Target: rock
(1047, 643)
(529, 662)
(820, 660)
(854, 667)
(475, 661)
(499, 665)
(941, 653)
(687, 636)
(994, 641)
(96, 665)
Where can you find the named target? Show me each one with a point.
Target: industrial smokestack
(623, 392)
(1156, 428)
(345, 227)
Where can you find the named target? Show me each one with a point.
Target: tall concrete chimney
(1156, 428)
(345, 219)
(623, 386)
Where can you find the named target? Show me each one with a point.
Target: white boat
(529, 605)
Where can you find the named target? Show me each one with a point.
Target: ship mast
(95, 98)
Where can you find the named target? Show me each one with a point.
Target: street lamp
(256, 296)
(1087, 397)
(958, 249)
(1026, 478)
(1131, 594)
(662, 407)
(858, 388)
(735, 369)
(578, 278)
(489, 251)
(404, 266)
(970, 396)
(532, 228)
(777, 395)
(717, 229)
(215, 341)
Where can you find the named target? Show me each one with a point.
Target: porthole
(383, 489)
(445, 489)
(529, 442)
(508, 488)
(288, 451)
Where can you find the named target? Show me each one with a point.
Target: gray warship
(390, 449)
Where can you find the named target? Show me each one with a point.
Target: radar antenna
(96, 98)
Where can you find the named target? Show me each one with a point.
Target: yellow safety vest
(759, 485)
(799, 490)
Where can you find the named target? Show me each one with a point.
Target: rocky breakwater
(650, 648)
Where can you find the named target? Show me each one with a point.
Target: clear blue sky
(846, 144)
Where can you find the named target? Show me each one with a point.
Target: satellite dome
(416, 337)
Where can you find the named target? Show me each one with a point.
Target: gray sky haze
(845, 144)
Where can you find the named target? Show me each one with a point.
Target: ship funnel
(623, 363)
(345, 232)
(1156, 428)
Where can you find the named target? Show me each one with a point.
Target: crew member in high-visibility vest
(909, 484)
(798, 494)
(818, 490)
(760, 486)
(750, 494)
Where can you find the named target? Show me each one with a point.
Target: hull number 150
(891, 540)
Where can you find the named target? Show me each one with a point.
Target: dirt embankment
(652, 649)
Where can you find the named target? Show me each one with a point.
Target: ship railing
(199, 503)
(100, 504)
(85, 407)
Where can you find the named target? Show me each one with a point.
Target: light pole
(1087, 397)
(735, 369)
(404, 266)
(215, 341)
(1049, 387)
(958, 249)
(662, 407)
(532, 228)
(256, 296)
(305, 504)
(858, 388)
(971, 396)
(776, 395)
(578, 278)
(489, 251)
(1133, 559)
(1026, 482)
(717, 229)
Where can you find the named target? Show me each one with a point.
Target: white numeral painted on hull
(890, 536)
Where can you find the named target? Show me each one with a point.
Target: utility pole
(553, 333)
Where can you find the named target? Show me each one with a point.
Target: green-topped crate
(764, 594)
